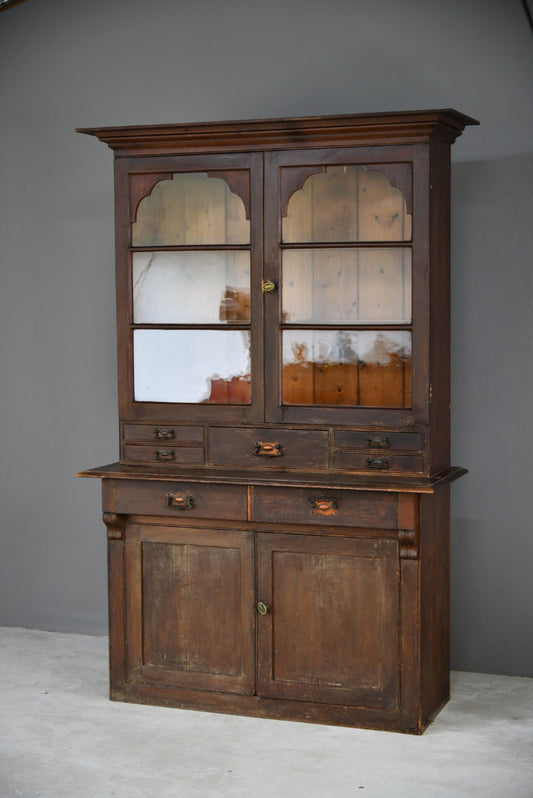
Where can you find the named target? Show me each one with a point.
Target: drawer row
(323, 506)
(278, 448)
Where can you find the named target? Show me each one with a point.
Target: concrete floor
(61, 738)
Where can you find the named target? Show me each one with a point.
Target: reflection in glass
(195, 366)
(345, 367)
(191, 208)
(191, 287)
(347, 203)
(347, 286)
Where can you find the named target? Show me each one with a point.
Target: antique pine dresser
(278, 522)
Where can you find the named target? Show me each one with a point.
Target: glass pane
(347, 286)
(211, 366)
(347, 203)
(191, 287)
(191, 208)
(343, 367)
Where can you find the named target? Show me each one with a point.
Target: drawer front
(165, 453)
(161, 433)
(366, 439)
(373, 462)
(324, 506)
(268, 448)
(181, 500)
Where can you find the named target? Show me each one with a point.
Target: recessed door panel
(190, 601)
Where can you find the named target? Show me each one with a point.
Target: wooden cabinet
(278, 521)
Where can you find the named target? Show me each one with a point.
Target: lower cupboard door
(327, 622)
(190, 608)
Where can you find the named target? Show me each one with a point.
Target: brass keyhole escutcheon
(262, 608)
(268, 287)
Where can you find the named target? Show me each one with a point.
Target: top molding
(410, 127)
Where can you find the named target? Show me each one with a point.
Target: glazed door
(340, 248)
(190, 620)
(327, 622)
(189, 250)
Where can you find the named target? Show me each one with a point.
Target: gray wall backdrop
(75, 63)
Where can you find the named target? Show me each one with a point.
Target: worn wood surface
(279, 544)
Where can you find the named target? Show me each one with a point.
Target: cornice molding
(279, 134)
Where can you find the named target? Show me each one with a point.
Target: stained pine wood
(365, 461)
(164, 453)
(296, 448)
(141, 496)
(144, 433)
(281, 547)
(331, 633)
(304, 132)
(365, 439)
(295, 505)
(190, 608)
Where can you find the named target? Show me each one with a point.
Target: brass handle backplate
(268, 449)
(377, 462)
(262, 608)
(323, 506)
(164, 454)
(180, 501)
(268, 287)
(378, 441)
(163, 434)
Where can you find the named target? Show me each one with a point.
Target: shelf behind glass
(199, 287)
(351, 286)
(363, 368)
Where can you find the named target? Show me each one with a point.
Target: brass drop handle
(378, 441)
(268, 287)
(323, 506)
(164, 454)
(265, 449)
(163, 434)
(378, 463)
(180, 501)
(262, 608)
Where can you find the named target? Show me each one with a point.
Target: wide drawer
(147, 433)
(325, 506)
(367, 439)
(181, 500)
(193, 455)
(372, 462)
(268, 448)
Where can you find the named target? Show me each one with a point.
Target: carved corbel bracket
(408, 544)
(114, 524)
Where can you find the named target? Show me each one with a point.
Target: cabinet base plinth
(274, 709)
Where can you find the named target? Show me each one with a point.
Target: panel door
(330, 632)
(190, 619)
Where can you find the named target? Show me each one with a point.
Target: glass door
(191, 261)
(342, 323)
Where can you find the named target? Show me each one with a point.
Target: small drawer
(181, 500)
(368, 439)
(268, 448)
(165, 453)
(157, 433)
(372, 462)
(325, 506)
